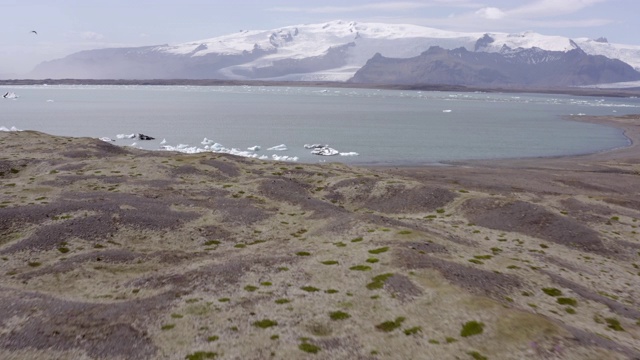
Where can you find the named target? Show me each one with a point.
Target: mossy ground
(151, 240)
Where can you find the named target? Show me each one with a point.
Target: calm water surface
(382, 126)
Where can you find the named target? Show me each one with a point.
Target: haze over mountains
(392, 53)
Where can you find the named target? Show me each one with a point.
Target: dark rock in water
(145, 137)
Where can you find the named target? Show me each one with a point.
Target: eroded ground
(116, 253)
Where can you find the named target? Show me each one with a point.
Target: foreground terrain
(117, 253)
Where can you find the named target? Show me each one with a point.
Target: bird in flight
(35, 32)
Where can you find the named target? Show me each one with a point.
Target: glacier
(331, 51)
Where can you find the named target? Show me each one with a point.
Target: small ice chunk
(125, 136)
(284, 158)
(106, 139)
(446, 111)
(314, 146)
(164, 141)
(254, 148)
(352, 153)
(13, 128)
(207, 141)
(281, 147)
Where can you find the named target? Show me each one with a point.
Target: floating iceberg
(281, 147)
(352, 153)
(446, 111)
(254, 148)
(207, 141)
(125, 136)
(10, 95)
(106, 139)
(164, 141)
(325, 151)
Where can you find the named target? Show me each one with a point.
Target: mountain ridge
(331, 51)
(510, 67)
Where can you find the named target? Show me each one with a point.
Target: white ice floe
(207, 141)
(254, 148)
(325, 151)
(219, 149)
(446, 111)
(281, 147)
(164, 141)
(284, 158)
(314, 146)
(352, 153)
(10, 95)
(106, 139)
(49, 100)
(126, 136)
(13, 128)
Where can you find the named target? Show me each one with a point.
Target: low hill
(109, 253)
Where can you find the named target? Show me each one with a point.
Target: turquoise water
(382, 126)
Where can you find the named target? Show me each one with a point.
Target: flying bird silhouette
(35, 32)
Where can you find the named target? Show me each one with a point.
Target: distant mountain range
(510, 68)
(336, 51)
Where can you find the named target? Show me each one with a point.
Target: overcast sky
(68, 26)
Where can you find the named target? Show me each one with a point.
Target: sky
(67, 26)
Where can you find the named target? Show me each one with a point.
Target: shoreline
(625, 123)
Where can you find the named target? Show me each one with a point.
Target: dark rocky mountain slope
(511, 67)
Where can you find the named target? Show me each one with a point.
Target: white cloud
(92, 36)
(491, 13)
(549, 8)
(381, 6)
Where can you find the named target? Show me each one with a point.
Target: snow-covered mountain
(329, 51)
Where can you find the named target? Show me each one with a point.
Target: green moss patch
(339, 315)
(472, 328)
(552, 291)
(266, 323)
(329, 262)
(389, 326)
(379, 250)
(360, 268)
(567, 301)
(378, 281)
(201, 355)
(310, 288)
(309, 348)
